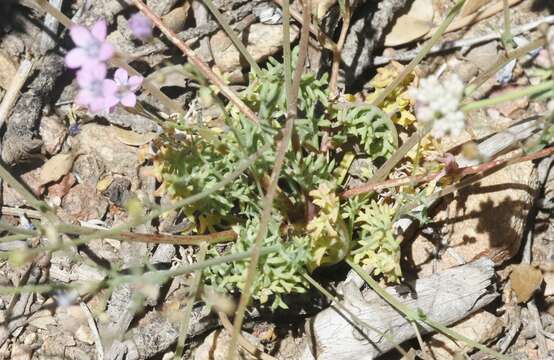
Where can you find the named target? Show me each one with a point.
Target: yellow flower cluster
(397, 103)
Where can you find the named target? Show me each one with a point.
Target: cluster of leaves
(309, 222)
(279, 272)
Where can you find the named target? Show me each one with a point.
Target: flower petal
(109, 87)
(97, 104)
(106, 52)
(129, 99)
(99, 30)
(80, 35)
(121, 77)
(76, 58)
(83, 98)
(135, 82)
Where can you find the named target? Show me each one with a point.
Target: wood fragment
(445, 297)
(15, 87)
(47, 41)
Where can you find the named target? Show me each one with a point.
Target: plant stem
(512, 95)
(423, 52)
(328, 43)
(359, 322)
(183, 331)
(234, 38)
(287, 58)
(501, 62)
(465, 171)
(413, 315)
(267, 205)
(337, 50)
(198, 63)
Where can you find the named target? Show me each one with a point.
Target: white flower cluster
(438, 102)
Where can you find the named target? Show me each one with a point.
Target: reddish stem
(481, 168)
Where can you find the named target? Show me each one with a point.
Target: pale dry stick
(234, 38)
(12, 211)
(14, 88)
(463, 43)
(328, 42)
(51, 23)
(422, 345)
(337, 50)
(183, 331)
(501, 62)
(198, 63)
(242, 341)
(118, 60)
(93, 330)
(476, 17)
(267, 205)
(465, 171)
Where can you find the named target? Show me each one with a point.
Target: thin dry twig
(462, 43)
(50, 23)
(242, 341)
(94, 331)
(267, 205)
(328, 43)
(14, 88)
(196, 61)
(183, 331)
(477, 16)
(337, 50)
(465, 171)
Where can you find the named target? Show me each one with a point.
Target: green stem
(415, 316)
(359, 322)
(234, 38)
(183, 331)
(286, 46)
(509, 96)
(423, 52)
(267, 204)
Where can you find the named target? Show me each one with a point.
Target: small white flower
(438, 103)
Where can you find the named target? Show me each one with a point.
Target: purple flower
(96, 92)
(126, 87)
(91, 47)
(141, 26)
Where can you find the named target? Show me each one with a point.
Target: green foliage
(380, 249)
(279, 273)
(329, 237)
(196, 157)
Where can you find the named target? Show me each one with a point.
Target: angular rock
(83, 203)
(53, 133)
(261, 40)
(100, 141)
(481, 327)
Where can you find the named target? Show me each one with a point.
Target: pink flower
(141, 26)
(96, 92)
(126, 87)
(91, 47)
